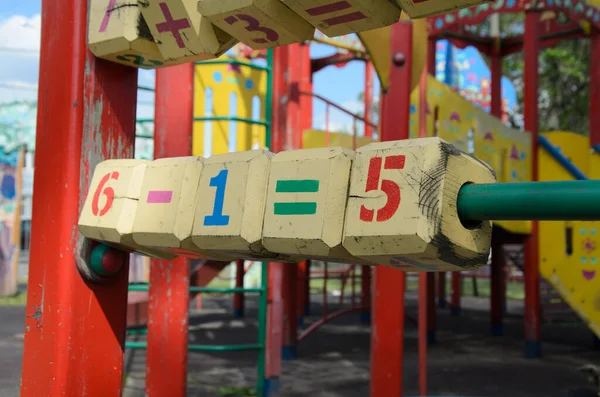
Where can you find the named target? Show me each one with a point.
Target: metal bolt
(399, 59)
(106, 261)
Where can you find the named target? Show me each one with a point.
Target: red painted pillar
(595, 88)
(498, 283)
(531, 50)
(498, 276)
(456, 284)
(74, 330)
(166, 363)
(238, 297)
(368, 99)
(389, 284)
(306, 101)
(274, 329)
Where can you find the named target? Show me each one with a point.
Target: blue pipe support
(562, 159)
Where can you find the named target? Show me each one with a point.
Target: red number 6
(109, 192)
(254, 26)
(390, 188)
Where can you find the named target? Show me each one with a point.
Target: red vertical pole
(497, 295)
(531, 49)
(595, 88)
(307, 289)
(387, 336)
(497, 268)
(238, 297)
(274, 329)
(306, 101)
(456, 283)
(365, 294)
(74, 330)
(368, 99)
(166, 363)
(301, 291)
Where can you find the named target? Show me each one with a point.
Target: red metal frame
(166, 364)
(530, 99)
(368, 98)
(387, 335)
(74, 330)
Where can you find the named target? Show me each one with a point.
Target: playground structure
(107, 100)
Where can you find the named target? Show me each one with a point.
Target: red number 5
(390, 188)
(254, 26)
(109, 192)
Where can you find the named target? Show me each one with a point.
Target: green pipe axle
(542, 201)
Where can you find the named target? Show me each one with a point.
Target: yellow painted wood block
(117, 32)
(427, 8)
(257, 23)
(182, 33)
(402, 207)
(229, 217)
(110, 207)
(306, 201)
(165, 213)
(340, 17)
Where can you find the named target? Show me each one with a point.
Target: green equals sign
(296, 186)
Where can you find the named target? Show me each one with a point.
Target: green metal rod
(542, 201)
(201, 348)
(233, 62)
(231, 118)
(225, 290)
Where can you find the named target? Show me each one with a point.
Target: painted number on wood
(139, 60)
(217, 218)
(108, 192)
(254, 26)
(171, 25)
(390, 188)
(335, 7)
(296, 186)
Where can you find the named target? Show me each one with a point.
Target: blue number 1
(217, 218)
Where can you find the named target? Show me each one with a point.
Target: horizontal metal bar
(142, 121)
(234, 62)
(543, 201)
(232, 118)
(143, 88)
(202, 348)
(143, 136)
(226, 290)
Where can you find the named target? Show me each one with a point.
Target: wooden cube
(427, 8)
(229, 217)
(182, 33)
(168, 199)
(117, 32)
(306, 201)
(340, 17)
(111, 204)
(257, 23)
(402, 206)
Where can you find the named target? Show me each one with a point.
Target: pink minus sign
(159, 196)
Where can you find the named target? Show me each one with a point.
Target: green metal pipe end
(106, 261)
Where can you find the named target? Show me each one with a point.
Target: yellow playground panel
(229, 107)
(569, 251)
(312, 139)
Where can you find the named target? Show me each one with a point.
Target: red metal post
(306, 101)
(498, 276)
(301, 291)
(238, 297)
(456, 284)
(274, 329)
(387, 336)
(533, 348)
(74, 330)
(595, 88)
(368, 98)
(498, 282)
(166, 363)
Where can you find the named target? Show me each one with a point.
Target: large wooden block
(306, 202)
(402, 206)
(427, 8)
(229, 217)
(110, 207)
(257, 23)
(168, 198)
(340, 17)
(117, 32)
(182, 33)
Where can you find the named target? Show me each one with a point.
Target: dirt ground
(465, 361)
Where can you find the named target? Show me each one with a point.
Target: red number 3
(390, 188)
(254, 26)
(109, 192)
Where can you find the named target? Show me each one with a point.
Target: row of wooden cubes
(388, 203)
